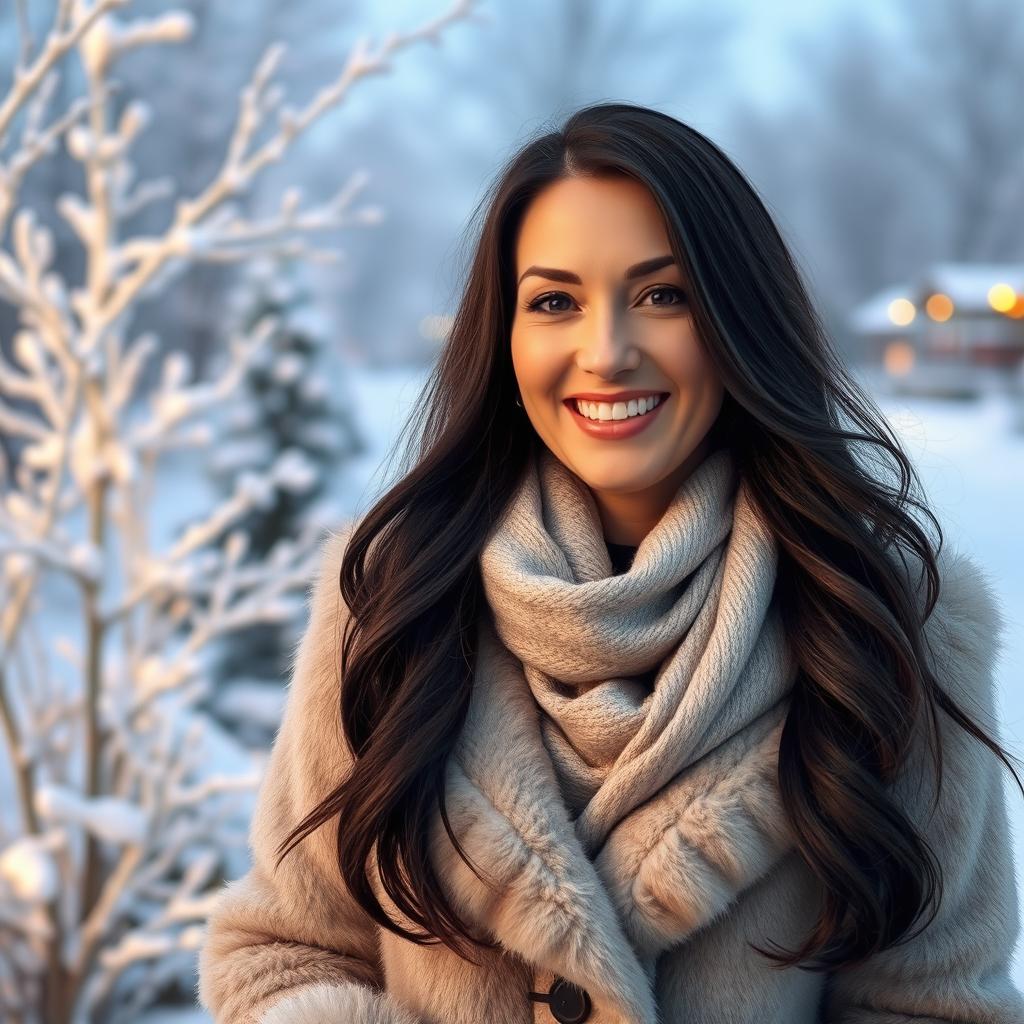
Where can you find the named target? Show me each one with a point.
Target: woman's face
(586, 323)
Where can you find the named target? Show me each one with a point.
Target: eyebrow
(641, 269)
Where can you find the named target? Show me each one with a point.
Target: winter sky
(760, 57)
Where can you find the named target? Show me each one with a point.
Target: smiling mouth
(572, 405)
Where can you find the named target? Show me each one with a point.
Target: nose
(606, 348)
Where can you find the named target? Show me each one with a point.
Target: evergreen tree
(286, 418)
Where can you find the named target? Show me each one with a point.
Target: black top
(621, 556)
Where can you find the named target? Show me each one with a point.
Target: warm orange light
(901, 312)
(898, 358)
(1017, 309)
(939, 306)
(1001, 297)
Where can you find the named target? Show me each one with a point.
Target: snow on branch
(58, 43)
(126, 800)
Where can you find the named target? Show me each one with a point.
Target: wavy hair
(800, 427)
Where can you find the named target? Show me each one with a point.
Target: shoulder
(962, 640)
(968, 598)
(333, 545)
(325, 607)
(966, 631)
(323, 588)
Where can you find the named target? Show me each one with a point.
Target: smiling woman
(618, 706)
(624, 330)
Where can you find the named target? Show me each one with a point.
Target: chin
(627, 478)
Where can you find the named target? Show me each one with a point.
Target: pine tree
(285, 417)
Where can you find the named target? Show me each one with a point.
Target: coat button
(569, 1004)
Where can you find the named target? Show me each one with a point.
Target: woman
(648, 684)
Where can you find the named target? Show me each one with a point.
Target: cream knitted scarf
(696, 605)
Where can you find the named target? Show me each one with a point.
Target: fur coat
(656, 929)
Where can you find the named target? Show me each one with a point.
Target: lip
(615, 396)
(614, 430)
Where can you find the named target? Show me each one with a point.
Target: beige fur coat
(655, 929)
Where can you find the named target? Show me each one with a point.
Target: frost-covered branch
(240, 166)
(36, 142)
(58, 43)
(126, 821)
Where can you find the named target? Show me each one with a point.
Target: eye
(669, 289)
(535, 305)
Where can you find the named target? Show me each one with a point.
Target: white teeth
(617, 410)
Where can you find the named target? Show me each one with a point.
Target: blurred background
(886, 139)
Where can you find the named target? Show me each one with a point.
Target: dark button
(568, 1003)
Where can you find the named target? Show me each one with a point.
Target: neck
(626, 518)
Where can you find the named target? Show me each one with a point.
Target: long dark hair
(796, 421)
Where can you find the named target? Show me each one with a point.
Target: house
(956, 330)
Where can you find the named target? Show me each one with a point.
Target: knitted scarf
(695, 607)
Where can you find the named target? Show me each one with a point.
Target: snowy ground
(971, 464)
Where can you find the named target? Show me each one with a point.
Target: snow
(294, 471)
(27, 868)
(108, 818)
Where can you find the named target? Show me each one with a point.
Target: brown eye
(535, 305)
(668, 289)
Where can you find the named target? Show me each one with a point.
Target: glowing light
(1001, 297)
(901, 312)
(898, 358)
(1017, 309)
(939, 306)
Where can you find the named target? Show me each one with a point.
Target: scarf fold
(694, 609)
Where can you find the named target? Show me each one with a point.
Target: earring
(520, 404)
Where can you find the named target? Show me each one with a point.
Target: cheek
(536, 365)
(686, 361)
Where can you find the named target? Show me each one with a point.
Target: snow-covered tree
(117, 817)
(286, 410)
